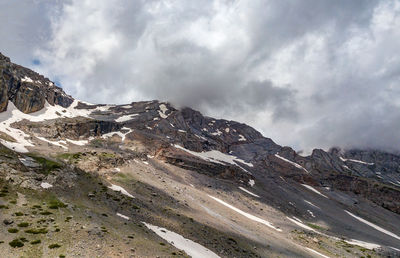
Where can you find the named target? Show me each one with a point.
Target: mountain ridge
(146, 140)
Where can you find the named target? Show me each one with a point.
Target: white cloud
(307, 74)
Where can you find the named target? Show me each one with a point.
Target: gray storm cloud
(305, 73)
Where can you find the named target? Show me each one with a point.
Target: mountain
(146, 179)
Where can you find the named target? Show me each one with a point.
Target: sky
(306, 73)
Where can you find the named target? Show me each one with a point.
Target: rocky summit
(147, 179)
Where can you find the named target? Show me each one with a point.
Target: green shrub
(16, 243)
(23, 224)
(18, 213)
(36, 231)
(13, 230)
(35, 242)
(55, 204)
(45, 213)
(52, 246)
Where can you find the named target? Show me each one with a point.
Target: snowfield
(162, 111)
(216, 157)
(53, 142)
(125, 118)
(314, 190)
(118, 188)
(122, 216)
(247, 191)
(291, 162)
(374, 226)
(45, 185)
(48, 112)
(356, 161)
(193, 249)
(252, 217)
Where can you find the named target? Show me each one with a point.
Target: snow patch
(299, 223)
(315, 252)
(125, 118)
(242, 138)
(119, 133)
(311, 213)
(356, 161)
(247, 191)
(53, 142)
(122, 216)
(312, 204)
(162, 111)
(217, 133)
(247, 215)
(251, 182)
(26, 79)
(79, 142)
(193, 249)
(291, 162)
(48, 112)
(46, 185)
(118, 188)
(374, 226)
(363, 244)
(216, 157)
(314, 190)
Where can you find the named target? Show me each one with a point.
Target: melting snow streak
(252, 217)
(191, 248)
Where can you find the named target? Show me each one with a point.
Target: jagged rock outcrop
(27, 89)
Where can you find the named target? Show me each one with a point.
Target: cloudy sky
(306, 73)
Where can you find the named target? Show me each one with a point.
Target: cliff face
(27, 89)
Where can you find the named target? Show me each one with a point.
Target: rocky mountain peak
(27, 89)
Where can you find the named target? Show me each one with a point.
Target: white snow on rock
(126, 106)
(216, 156)
(247, 191)
(315, 252)
(227, 130)
(118, 188)
(122, 216)
(312, 204)
(52, 142)
(299, 223)
(78, 142)
(356, 161)
(291, 162)
(314, 190)
(45, 185)
(242, 138)
(162, 111)
(374, 226)
(193, 249)
(217, 133)
(13, 115)
(119, 133)
(125, 118)
(181, 131)
(251, 182)
(26, 79)
(247, 215)
(311, 213)
(363, 244)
